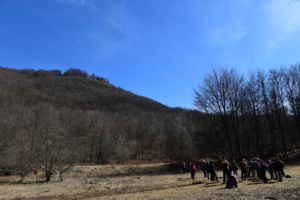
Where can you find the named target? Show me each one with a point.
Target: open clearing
(113, 182)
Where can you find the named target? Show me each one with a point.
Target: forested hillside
(52, 119)
(66, 117)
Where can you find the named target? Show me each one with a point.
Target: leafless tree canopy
(51, 120)
(253, 115)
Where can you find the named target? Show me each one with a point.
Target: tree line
(256, 114)
(51, 121)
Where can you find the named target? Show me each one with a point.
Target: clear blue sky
(161, 49)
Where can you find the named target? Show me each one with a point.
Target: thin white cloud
(82, 3)
(282, 20)
(117, 31)
(228, 26)
(75, 2)
(271, 24)
(230, 33)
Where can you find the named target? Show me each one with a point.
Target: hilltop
(75, 89)
(106, 123)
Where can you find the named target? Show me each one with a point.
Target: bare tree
(220, 95)
(292, 86)
(278, 104)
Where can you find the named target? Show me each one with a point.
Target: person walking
(225, 169)
(244, 169)
(212, 171)
(193, 171)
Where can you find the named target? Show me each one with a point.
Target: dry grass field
(114, 182)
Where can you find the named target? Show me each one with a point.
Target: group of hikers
(251, 168)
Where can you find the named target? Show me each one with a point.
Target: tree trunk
(48, 176)
(227, 136)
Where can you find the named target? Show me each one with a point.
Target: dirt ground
(113, 182)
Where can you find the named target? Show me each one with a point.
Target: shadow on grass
(34, 182)
(27, 182)
(87, 195)
(258, 182)
(212, 184)
(270, 198)
(197, 183)
(183, 179)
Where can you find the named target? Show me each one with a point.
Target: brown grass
(93, 182)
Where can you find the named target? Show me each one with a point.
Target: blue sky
(161, 49)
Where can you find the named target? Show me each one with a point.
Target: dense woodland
(52, 119)
(258, 114)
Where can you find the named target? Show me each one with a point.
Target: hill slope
(107, 123)
(84, 92)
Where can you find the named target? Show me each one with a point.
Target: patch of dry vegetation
(88, 182)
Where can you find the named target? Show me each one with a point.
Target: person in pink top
(193, 171)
